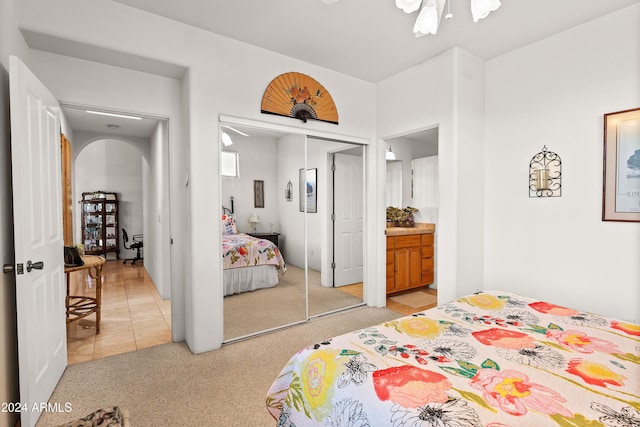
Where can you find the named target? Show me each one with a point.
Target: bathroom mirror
(412, 178)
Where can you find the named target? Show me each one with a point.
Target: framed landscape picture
(309, 190)
(621, 169)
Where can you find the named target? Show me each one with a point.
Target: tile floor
(133, 314)
(405, 310)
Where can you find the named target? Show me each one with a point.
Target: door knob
(34, 265)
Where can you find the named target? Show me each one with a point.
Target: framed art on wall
(258, 194)
(309, 190)
(621, 169)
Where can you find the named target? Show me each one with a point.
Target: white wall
(555, 93)
(258, 160)
(156, 211)
(291, 150)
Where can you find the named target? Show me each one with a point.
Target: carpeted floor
(169, 386)
(103, 417)
(260, 310)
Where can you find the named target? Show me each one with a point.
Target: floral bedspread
(242, 250)
(491, 359)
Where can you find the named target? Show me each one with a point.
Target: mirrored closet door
(335, 251)
(280, 215)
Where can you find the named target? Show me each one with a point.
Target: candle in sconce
(542, 179)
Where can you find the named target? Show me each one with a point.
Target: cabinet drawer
(427, 277)
(427, 264)
(407, 241)
(427, 251)
(427, 239)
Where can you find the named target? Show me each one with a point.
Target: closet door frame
(365, 143)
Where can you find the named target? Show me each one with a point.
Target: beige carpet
(103, 417)
(260, 310)
(416, 299)
(169, 386)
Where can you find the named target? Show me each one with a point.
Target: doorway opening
(412, 182)
(111, 152)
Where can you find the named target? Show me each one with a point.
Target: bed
(249, 263)
(491, 359)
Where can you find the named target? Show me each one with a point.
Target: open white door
(37, 216)
(348, 224)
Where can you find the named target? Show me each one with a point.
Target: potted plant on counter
(397, 217)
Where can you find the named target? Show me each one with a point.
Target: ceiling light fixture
(226, 139)
(390, 154)
(449, 15)
(428, 19)
(235, 130)
(122, 116)
(429, 16)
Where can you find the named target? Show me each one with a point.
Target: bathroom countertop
(420, 228)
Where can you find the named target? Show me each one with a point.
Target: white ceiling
(367, 39)
(372, 39)
(78, 119)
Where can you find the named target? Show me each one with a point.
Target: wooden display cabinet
(100, 223)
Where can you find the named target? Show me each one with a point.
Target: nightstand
(272, 237)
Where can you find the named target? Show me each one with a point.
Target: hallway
(133, 314)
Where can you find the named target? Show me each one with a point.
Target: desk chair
(137, 245)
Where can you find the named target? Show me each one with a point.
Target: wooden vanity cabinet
(409, 261)
(428, 267)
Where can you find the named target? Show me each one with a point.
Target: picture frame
(258, 194)
(309, 190)
(621, 166)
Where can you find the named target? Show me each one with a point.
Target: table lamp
(254, 219)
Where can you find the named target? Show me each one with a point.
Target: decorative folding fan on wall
(300, 96)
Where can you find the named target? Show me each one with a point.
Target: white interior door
(37, 215)
(393, 187)
(425, 182)
(348, 224)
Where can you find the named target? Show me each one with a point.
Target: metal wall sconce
(288, 192)
(545, 174)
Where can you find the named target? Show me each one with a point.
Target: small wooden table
(272, 237)
(78, 306)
